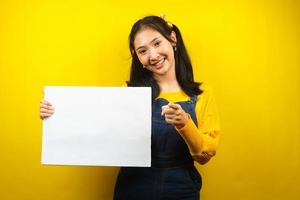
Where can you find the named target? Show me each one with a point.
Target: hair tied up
(163, 16)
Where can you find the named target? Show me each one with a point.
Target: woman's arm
(203, 140)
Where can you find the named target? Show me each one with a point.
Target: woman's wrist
(185, 121)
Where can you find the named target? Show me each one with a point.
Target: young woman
(185, 123)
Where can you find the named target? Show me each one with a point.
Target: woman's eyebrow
(150, 43)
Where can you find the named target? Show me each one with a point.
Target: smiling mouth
(159, 64)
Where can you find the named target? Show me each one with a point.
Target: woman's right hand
(46, 109)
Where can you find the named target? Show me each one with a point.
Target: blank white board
(98, 126)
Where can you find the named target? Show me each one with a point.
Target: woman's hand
(46, 109)
(175, 115)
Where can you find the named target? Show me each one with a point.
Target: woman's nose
(153, 55)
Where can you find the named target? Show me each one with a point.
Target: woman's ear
(173, 37)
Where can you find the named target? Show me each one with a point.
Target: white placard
(98, 126)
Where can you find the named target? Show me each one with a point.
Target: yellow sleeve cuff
(188, 127)
(199, 144)
(192, 136)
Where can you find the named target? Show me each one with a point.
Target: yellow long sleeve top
(202, 140)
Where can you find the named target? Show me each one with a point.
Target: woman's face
(154, 51)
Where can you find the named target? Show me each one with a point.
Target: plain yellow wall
(247, 50)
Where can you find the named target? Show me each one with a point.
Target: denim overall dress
(172, 174)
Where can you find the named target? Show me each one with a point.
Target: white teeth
(160, 62)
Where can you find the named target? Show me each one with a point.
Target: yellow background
(247, 50)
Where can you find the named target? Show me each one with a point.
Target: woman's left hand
(175, 115)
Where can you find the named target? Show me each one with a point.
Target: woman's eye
(157, 43)
(142, 51)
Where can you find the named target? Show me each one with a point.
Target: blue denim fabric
(172, 174)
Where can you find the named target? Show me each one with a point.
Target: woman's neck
(168, 84)
(166, 87)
